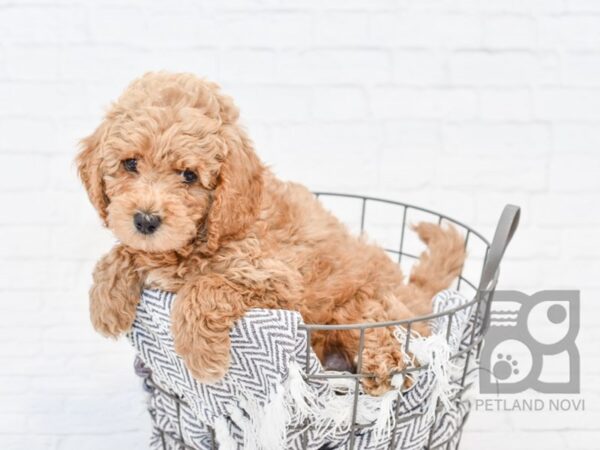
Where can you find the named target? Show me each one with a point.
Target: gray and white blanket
(264, 402)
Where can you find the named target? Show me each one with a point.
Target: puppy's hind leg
(382, 356)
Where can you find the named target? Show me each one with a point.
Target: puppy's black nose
(146, 223)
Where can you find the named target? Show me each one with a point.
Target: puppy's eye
(188, 176)
(130, 165)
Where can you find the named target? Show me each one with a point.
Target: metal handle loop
(507, 225)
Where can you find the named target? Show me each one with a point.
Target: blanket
(266, 402)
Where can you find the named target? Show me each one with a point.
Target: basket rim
(407, 206)
(390, 323)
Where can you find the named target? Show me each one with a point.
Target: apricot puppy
(175, 177)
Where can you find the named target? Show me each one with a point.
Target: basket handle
(507, 225)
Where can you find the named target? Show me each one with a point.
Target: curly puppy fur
(236, 237)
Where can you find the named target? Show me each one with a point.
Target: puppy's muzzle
(146, 223)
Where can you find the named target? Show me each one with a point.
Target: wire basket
(386, 222)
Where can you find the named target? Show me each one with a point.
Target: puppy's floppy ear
(90, 172)
(238, 195)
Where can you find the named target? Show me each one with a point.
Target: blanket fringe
(297, 403)
(435, 352)
(333, 417)
(262, 427)
(223, 436)
(330, 417)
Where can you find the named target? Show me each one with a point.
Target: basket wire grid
(478, 288)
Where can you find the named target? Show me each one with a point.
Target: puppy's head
(169, 165)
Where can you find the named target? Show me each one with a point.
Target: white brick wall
(461, 105)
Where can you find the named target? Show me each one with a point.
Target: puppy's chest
(168, 277)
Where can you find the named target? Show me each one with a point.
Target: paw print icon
(529, 337)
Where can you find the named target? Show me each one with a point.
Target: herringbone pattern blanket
(264, 402)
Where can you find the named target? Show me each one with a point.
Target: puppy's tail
(441, 262)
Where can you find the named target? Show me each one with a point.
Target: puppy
(175, 177)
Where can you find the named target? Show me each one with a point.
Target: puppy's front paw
(207, 365)
(201, 335)
(111, 314)
(115, 293)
